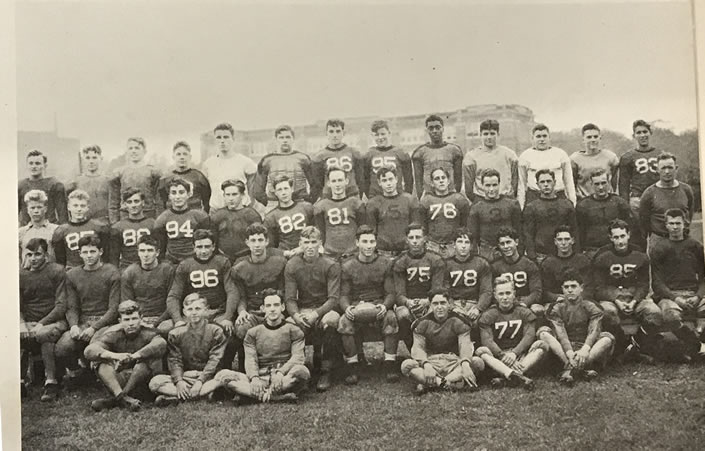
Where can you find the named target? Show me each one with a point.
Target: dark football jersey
(285, 224)
(229, 226)
(252, 278)
(415, 276)
(312, 284)
(656, 200)
(429, 157)
(148, 287)
(348, 158)
(92, 293)
(677, 265)
(56, 199)
(637, 171)
(526, 277)
(628, 269)
(39, 292)
(443, 215)
(175, 230)
(338, 221)
(295, 165)
(98, 188)
(441, 338)
(470, 280)
(367, 281)
(541, 217)
(576, 318)
(199, 187)
(146, 178)
(66, 236)
(389, 216)
(210, 278)
(553, 267)
(507, 328)
(124, 236)
(594, 215)
(487, 216)
(376, 158)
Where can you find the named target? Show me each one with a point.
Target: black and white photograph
(355, 225)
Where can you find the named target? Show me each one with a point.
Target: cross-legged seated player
(195, 351)
(442, 353)
(125, 357)
(367, 280)
(579, 340)
(274, 358)
(508, 337)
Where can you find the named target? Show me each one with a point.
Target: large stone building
(461, 126)
(63, 154)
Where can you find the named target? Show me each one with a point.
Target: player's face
(258, 244)
(505, 296)
(147, 253)
(572, 290)
(91, 160)
(131, 323)
(36, 258)
(435, 131)
(491, 187)
(440, 307)
(619, 238)
(338, 181)
(134, 204)
(78, 209)
(178, 195)
(310, 247)
(232, 197)
(36, 210)
(667, 170)
(388, 182)
(546, 184)
(285, 140)
(135, 151)
(195, 312)
(489, 138)
(224, 141)
(601, 186)
(675, 227)
(283, 191)
(507, 246)
(642, 135)
(416, 240)
(366, 244)
(90, 255)
(335, 135)
(182, 157)
(273, 308)
(541, 139)
(439, 179)
(591, 140)
(463, 246)
(36, 166)
(203, 249)
(381, 137)
(564, 243)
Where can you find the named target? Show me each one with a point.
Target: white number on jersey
(644, 165)
(379, 162)
(469, 277)
(423, 273)
(338, 216)
(288, 224)
(173, 230)
(519, 278)
(449, 210)
(344, 162)
(619, 271)
(512, 326)
(207, 278)
(72, 238)
(130, 236)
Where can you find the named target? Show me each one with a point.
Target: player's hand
(350, 313)
(266, 395)
(277, 383)
(75, 332)
(121, 357)
(571, 358)
(310, 318)
(430, 375)
(299, 320)
(87, 334)
(382, 311)
(509, 358)
(473, 313)
(258, 388)
(195, 389)
(681, 301)
(182, 391)
(581, 358)
(227, 326)
(243, 317)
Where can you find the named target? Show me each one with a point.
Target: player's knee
(65, 346)
(477, 365)
(483, 350)
(299, 373)
(48, 334)
(542, 331)
(539, 345)
(345, 326)
(390, 325)
(402, 313)
(650, 313)
(164, 327)
(226, 376)
(408, 365)
(538, 309)
(159, 381)
(241, 331)
(607, 336)
(330, 319)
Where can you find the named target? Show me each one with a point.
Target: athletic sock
(392, 357)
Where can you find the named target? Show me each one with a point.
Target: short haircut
(438, 292)
(433, 118)
(36, 195)
(284, 128)
(256, 228)
(131, 191)
(178, 181)
(666, 156)
(538, 127)
(597, 173)
(378, 125)
(563, 228)
(282, 178)
(440, 168)
(414, 226)
(503, 280)
(571, 274)
(90, 240)
(364, 229)
(489, 124)
(203, 234)
(232, 182)
(94, 148)
(194, 297)
(462, 232)
(334, 168)
(36, 153)
(224, 126)
(311, 233)
(618, 224)
(270, 292)
(79, 194)
(128, 307)
(507, 231)
(641, 123)
(183, 144)
(541, 172)
(384, 170)
(335, 123)
(675, 213)
(35, 243)
(138, 140)
(590, 126)
(489, 173)
(149, 240)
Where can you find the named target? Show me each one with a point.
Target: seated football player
(579, 343)
(147, 283)
(508, 337)
(520, 269)
(417, 272)
(274, 358)
(469, 279)
(125, 357)
(194, 352)
(288, 219)
(679, 285)
(367, 299)
(38, 226)
(229, 223)
(444, 210)
(92, 294)
(125, 233)
(442, 353)
(312, 294)
(564, 257)
(42, 312)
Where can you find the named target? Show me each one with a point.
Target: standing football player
(437, 153)
(38, 225)
(230, 223)
(444, 211)
(590, 158)
(386, 154)
(519, 269)
(93, 181)
(54, 190)
(554, 265)
(340, 155)
(125, 234)
(199, 187)
(490, 156)
(289, 218)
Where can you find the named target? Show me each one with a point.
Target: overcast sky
(170, 71)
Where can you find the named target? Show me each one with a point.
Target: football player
(443, 212)
(54, 190)
(124, 358)
(229, 223)
(340, 155)
(38, 225)
(437, 153)
(565, 257)
(591, 158)
(386, 154)
(125, 234)
(522, 271)
(442, 353)
(199, 187)
(286, 221)
(93, 181)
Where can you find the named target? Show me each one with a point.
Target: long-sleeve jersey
(147, 342)
(452, 336)
(371, 281)
(677, 265)
(229, 226)
(268, 346)
(656, 200)
(389, 216)
(429, 157)
(554, 159)
(124, 236)
(200, 189)
(593, 215)
(576, 322)
(146, 178)
(637, 171)
(148, 287)
(526, 277)
(338, 221)
(285, 224)
(488, 215)
(56, 196)
(314, 284)
(295, 165)
(98, 188)
(195, 349)
(417, 275)
(175, 230)
(92, 293)
(508, 331)
(502, 159)
(252, 278)
(541, 217)
(41, 293)
(584, 164)
(210, 278)
(443, 215)
(378, 157)
(66, 236)
(346, 157)
(553, 267)
(628, 269)
(470, 280)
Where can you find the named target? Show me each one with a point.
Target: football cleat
(130, 403)
(420, 389)
(164, 401)
(286, 397)
(103, 404)
(352, 377)
(497, 382)
(323, 383)
(566, 378)
(50, 393)
(589, 375)
(392, 369)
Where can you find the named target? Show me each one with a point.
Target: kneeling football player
(508, 337)
(274, 358)
(442, 353)
(125, 357)
(194, 352)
